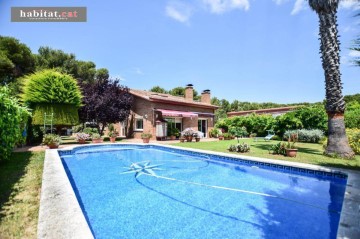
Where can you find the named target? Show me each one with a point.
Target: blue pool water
(130, 191)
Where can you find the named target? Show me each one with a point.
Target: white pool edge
(60, 215)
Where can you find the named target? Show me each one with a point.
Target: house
(272, 111)
(154, 112)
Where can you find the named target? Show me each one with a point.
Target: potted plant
(81, 137)
(182, 139)
(213, 133)
(52, 141)
(112, 135)
(290, 147)
(96, 138)
(197, 137)
(188, 133)
(146, 137)
(227, 136)
(221, 136)
(173, 133)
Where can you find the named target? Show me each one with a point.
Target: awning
(175, 113)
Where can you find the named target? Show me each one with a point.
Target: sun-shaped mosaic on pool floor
(142, 168)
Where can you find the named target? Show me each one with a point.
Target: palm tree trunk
(335, 105)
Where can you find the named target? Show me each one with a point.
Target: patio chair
(270, 135)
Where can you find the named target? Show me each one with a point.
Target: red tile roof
(170, 99)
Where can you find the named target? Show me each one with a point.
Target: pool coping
(60, 215)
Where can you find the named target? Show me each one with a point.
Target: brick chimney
(189, 92)
(205, 97)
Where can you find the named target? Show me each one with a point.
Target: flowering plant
(81, 136)
(188, 132)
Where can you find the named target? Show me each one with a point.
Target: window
(139, 124)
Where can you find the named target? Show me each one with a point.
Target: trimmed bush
(305, 135)
(49, 91)
(65, 115)
(50, 86)
(12, 122)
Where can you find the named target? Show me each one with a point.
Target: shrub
(12, 122)
(304, 135)
(51, 139)
(312, 117)
(352, 115)
(96, 136)
(279, 148)
(240, 148)
(253, 123)
(285, 122)
(35, 133)
(354, 139)
(214, 132)
(90, 131)
(227, 135)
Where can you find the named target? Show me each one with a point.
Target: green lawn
(20, 189)
(307, 153)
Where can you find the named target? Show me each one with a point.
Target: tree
(50, 91)
(16, 60)
(102, 74)
(335, 105)
(86, 71)
(105, 102)
(356, 47)
(12, 123)
(83, 71)
(158, 89)
(234, 105)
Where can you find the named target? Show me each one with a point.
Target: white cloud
(221, 6)
(350, 4)
(354, 53)
(179, 11)
(299, 6)
(279, 2)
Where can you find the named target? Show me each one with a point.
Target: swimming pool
(130, 191)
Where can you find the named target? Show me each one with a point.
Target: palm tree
(356, 47)
(335, 105)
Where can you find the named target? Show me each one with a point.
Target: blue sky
(249, 50)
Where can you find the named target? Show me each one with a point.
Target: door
(202, 126)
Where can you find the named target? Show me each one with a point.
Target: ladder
(48, 121)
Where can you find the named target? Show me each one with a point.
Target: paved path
(38, 148)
